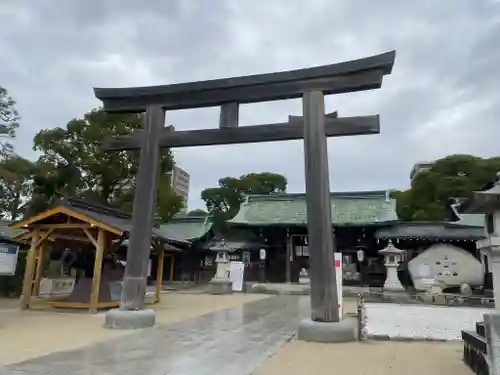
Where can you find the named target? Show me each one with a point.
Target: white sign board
(338, 275)
(236, 272)
(8, 259)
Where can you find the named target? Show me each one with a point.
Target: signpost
(311, 85)
(8, 259)
(236, 273)
(338, 274)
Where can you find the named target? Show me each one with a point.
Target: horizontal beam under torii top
(349, 76)
(294, 129)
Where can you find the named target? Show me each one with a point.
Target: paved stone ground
(235, 341)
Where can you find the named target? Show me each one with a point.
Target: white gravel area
(421, 322)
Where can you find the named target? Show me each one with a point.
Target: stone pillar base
(220, 286)
(393, 288)
(129, 319)
(327, 332)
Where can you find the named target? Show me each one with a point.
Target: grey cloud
(441, 98)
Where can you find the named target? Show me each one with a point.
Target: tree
(223, 202)
(16, 178)
(49, 183)
(82, 167)
(432, 192)
(9, 118)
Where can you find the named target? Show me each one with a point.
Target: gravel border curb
(407, 339)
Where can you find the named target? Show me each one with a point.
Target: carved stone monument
(311, 85)
(392, 258)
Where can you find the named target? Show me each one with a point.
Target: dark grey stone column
(325, 324)
(324, 299)
(130, 314)
(134, 283)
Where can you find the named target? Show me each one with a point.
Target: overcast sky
(442, 98)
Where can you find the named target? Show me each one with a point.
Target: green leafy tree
(223, 202)
(49, 183)
(16, 181)
(9, 121)
(82, 167)
(433, 191)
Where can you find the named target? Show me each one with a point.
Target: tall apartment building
(179, 180)
(420, 167)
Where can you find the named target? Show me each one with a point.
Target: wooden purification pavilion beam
(350, 76)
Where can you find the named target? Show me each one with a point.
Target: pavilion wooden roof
(99, 216)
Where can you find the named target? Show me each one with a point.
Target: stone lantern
(221, 282)
(392, 257)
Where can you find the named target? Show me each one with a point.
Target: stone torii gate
(314, 126)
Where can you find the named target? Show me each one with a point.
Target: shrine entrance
(311, 85)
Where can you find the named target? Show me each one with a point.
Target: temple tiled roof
(431, 230)
(186, 228)
(109, 218)
(348, 208)
(472, 220)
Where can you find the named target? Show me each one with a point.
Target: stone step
(472, 339)
(475, 356)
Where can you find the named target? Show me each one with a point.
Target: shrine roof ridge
(348, 76)
(91, 206)
(186, 228)
(366, 194)
(347, 208)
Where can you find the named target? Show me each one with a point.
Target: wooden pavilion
(77, 224)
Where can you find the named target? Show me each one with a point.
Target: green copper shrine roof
(348, 208)
(7, 231)
(186, 228)
(472, 220)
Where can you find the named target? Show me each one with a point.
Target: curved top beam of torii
(349, 76)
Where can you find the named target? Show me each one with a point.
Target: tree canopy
(224, 201)
(85, 169)
(433, 191)
(9, 121)
(16, 178)
(74, 163)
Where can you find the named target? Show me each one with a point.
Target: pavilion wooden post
(172, 263)
(39, 269)
(159, 273)
(96, 279)
(28, 272)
